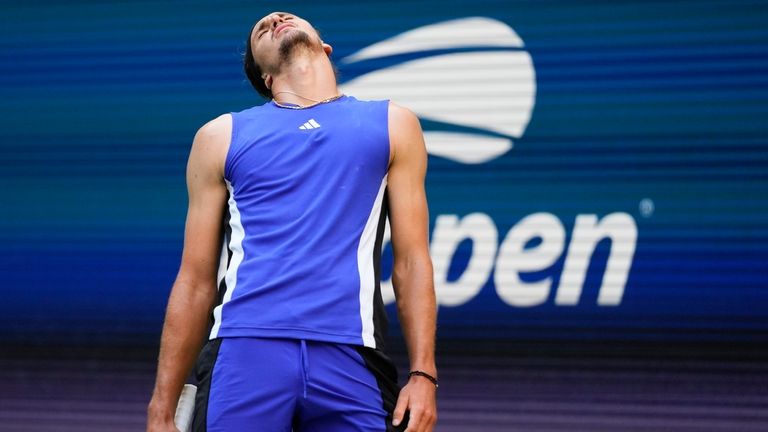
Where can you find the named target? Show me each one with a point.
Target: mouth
(280, 28)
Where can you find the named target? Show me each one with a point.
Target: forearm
(183, 334)
(416, 306)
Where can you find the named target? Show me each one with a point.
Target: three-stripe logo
(310, 124)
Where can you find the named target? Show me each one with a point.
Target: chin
(296, 40)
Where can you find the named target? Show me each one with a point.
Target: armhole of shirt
(232, 144)
(386, 135)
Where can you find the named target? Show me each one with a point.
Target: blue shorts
(282, 385)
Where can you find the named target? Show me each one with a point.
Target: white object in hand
(186, 408)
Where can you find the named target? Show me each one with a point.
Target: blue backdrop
(598, 169)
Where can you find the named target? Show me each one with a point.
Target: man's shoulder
(218, 126)
(212, 139)
(402, 116)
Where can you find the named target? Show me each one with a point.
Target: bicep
(207, 199)
(409, 218)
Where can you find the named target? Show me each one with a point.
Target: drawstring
(304, 365)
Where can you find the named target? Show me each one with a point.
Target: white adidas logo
(311, 124)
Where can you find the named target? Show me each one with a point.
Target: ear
(267, 80)
(327, 48)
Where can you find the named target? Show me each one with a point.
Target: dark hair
(253, 70)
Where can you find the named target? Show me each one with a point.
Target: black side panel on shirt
(386, 377)
(204, 373)
(380, 322)
(226, 237)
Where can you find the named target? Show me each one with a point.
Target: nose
(275, 19)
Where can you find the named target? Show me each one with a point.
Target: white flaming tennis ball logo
(477, 100)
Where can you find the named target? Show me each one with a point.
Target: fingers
(400, 407)
(420, 420)
(420, 403)
(414, 421)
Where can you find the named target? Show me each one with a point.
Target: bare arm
(194, 290)
(412, 273)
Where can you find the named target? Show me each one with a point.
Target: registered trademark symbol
(647, 207)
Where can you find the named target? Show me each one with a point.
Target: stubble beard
(294, 44)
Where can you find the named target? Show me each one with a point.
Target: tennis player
(287, 209)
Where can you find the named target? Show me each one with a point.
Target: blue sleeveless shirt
(304, 223)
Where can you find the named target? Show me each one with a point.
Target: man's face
(276, 35)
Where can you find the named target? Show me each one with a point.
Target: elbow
(413, 271)
(194, 291)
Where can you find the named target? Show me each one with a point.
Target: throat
(305, 80)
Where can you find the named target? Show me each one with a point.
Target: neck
(307, 78)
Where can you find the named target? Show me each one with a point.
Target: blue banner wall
(597, 169)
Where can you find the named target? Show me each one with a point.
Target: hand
(159, 420)
(418, 396)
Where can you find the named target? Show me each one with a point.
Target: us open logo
(469, 80)
(473, 85)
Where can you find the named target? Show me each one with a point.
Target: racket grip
(185, 410)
